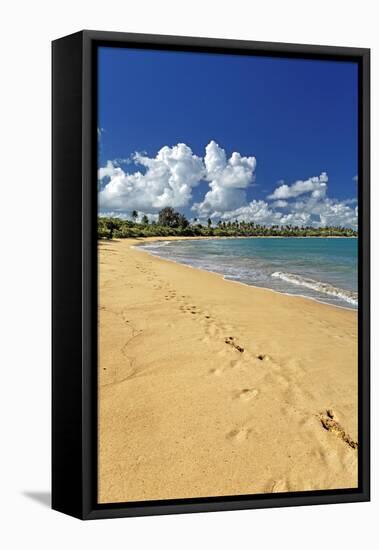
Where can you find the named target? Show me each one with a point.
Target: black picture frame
(74, 273)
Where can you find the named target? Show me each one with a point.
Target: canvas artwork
(227, 274)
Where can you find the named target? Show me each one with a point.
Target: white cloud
(109, 170)
(326, 211)
(167, 180)
(338, 213)
(296, 218)
(256, 211)
(279, 204)
(307, 204)
(305, 213)
(316, 185)
(350, 201)
(128, 216)
(228, 180)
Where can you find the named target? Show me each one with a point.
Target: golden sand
(209, 387)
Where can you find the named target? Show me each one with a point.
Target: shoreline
(203, 237)
(140, 246)
(210, 389)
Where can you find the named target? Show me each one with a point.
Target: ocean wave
(325, 288)
(153, 245)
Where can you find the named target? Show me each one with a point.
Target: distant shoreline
(176, 225)
(201, 237)
(218, 237)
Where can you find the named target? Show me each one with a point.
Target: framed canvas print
(210, 274)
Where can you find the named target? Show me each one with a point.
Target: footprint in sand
(212, 330)
(238, 435)
(231, 342)
(171, 295)
(215, 372)
(247, 394)
(192, 310)
(330, 423)
(279, 486)
(263, 357)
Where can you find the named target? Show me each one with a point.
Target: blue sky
(297, 118)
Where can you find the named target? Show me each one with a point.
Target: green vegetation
(171, 223)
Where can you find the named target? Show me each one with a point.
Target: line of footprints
(218, 330)
(212, 328)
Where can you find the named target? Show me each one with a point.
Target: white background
(26, 31)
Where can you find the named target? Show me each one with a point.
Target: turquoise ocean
(324, 269)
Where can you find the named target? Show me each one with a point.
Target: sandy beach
(208, 387)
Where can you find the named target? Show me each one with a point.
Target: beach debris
(230, 341)
(329, 423)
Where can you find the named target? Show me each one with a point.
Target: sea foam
(325, 288)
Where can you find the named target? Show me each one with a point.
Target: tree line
(172, 223)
